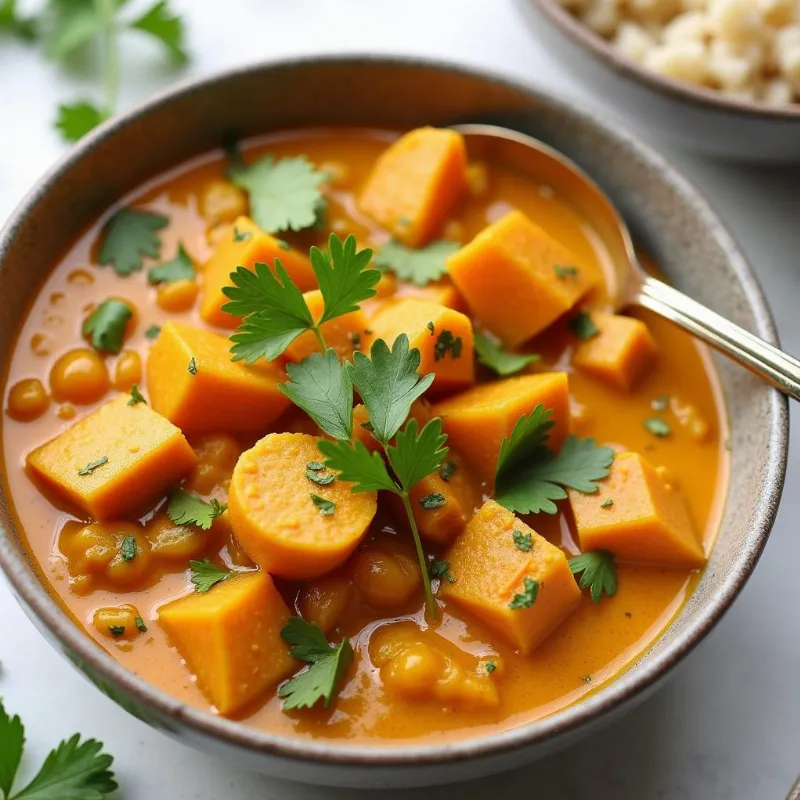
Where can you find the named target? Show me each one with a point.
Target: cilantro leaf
(93, 465)
(447, 343)
(527, 597)
(13, 23)
(447, 470)
(658, 426)
(106, 325)
(180, 268)
(583, 326)
(76, 119)
(152, 332)
(12, 737)
(326, 507)
(530, 477)
(388, 383)
(523, 541)
(419, 266)
(71, 24)
(136, 396)
(491, 354)
(128, 548)
(275, 310)
(127, 236)
(328, 665)
(165, 26)
(597, 572)
(206, 574)
(324, 390)
(415, 455)
(343, 276)
(189, 509)
(441, 570)
(355, 464)
(433, 501)
(284, 195)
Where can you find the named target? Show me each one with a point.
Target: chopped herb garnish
(585, 678)
(660, 403)
(491, 354)
(607, 503)
(565, 271)
(658, 426)
(136, 396)
(432, 501)
(152, 332)
(105, 326)
(419, 266)
(316, 466)
(319, 478)
(185, 508)
(128, 236)
(489, 666)
(193, 366)
(140, 626)
(523, 541)
(431, 327)
(116, 630)
(447, 470)
(180, 268)
(582, 325)
(284, 245)
(206, 574)
(241, 236)
(597, 572)
(447, 343)
(326, 507)
(355, 339)
(93, 465)
(527, 597)
(128, 548)
(441, 570)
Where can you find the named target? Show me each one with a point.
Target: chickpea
(325, 600)
(178, 295)
(477, 179)
(128, 370)
(175, 543)
(414, 671)
(386, 581)
(221, 201)
(79, 376)
(27, 400)
(118, 622)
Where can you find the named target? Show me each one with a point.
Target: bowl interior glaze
(667, 218)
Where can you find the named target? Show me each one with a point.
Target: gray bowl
(667, 217)
(699, 119)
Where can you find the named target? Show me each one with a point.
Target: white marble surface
(726, 726)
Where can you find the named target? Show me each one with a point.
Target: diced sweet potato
(416, 183)
(478, 420)
(141, 453)
(246, 245)
(646, 520)
(620, 354)
(193, 383)
(507, 276)
(490, 570)
(442, 292)
(230, 638)
(343, 334)
(275, 519)
(443, 337)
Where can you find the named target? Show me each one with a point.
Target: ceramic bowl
(668, 218)
(697, 118)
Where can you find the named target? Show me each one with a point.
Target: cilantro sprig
(128, 236)
(530, 477)
(206, 574)
(179, 268)
(420, 266)
(185, 508)
(597, 572)
(76, 769)
(105, 326)
(492, 355)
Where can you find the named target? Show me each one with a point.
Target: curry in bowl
(335, 433)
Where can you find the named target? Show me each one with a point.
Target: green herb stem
(430, 602)
(320, 338)
(106, 9)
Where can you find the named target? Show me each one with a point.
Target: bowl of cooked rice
(721, 77)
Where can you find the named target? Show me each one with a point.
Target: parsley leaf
(324, 390)
(415, 455)
(388, 383)
(116, 630)
(180, 268)
(152, 332)
(597, 572)
(607, 503)
(523, 541)
(13, 23)
(128, 548)
(129, 235)
(76, 119)
(320, 478)
(93, 465)
(71, 25)
(136, 396)
(562, 271)
(583, 326)
(192, 368)
(441, 570)
(12, 736)
(355, 464)
(344, 277)
(284, 195)
(140, 625)
(328, 665)
(491, 354)
(106, 325)
(326, 507)
(447, 470)
(658, 426)
(166, 27)
(433, 501)
(206, 574)
(530, 477)
(189, 509)
(527, 597)
(447, 343)
(416, 266)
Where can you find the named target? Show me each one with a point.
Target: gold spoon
(634, 285)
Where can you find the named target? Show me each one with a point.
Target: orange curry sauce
(592, 646)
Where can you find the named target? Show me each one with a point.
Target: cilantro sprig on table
(75, 770)
(420, 266)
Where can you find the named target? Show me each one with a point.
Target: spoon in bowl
(634, 285)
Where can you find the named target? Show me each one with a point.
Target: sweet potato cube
(442, 336)
(343, 334)
(507, 276)
(141, 453)
(442, 292)
(246, 245)
(416, 183)
(478, 420)
(194, 384)
(620, 354)
(646, 520)
(490, 569)
(230, 638)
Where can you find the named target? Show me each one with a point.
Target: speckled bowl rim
(582, 35)
(619, 692)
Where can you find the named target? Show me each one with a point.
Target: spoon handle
(772, 364)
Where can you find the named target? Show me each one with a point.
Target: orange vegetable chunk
(415, 184)
(274, 518)
(252, 246)
(447, 351)
(230, 638)
(442, 292)
(478, 420)
(620, 354)
(646, 521)
(221, 395)
(146, 453)
(507, 276)
(343, 334)
(490, 571)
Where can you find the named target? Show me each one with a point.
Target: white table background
(727, 725)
